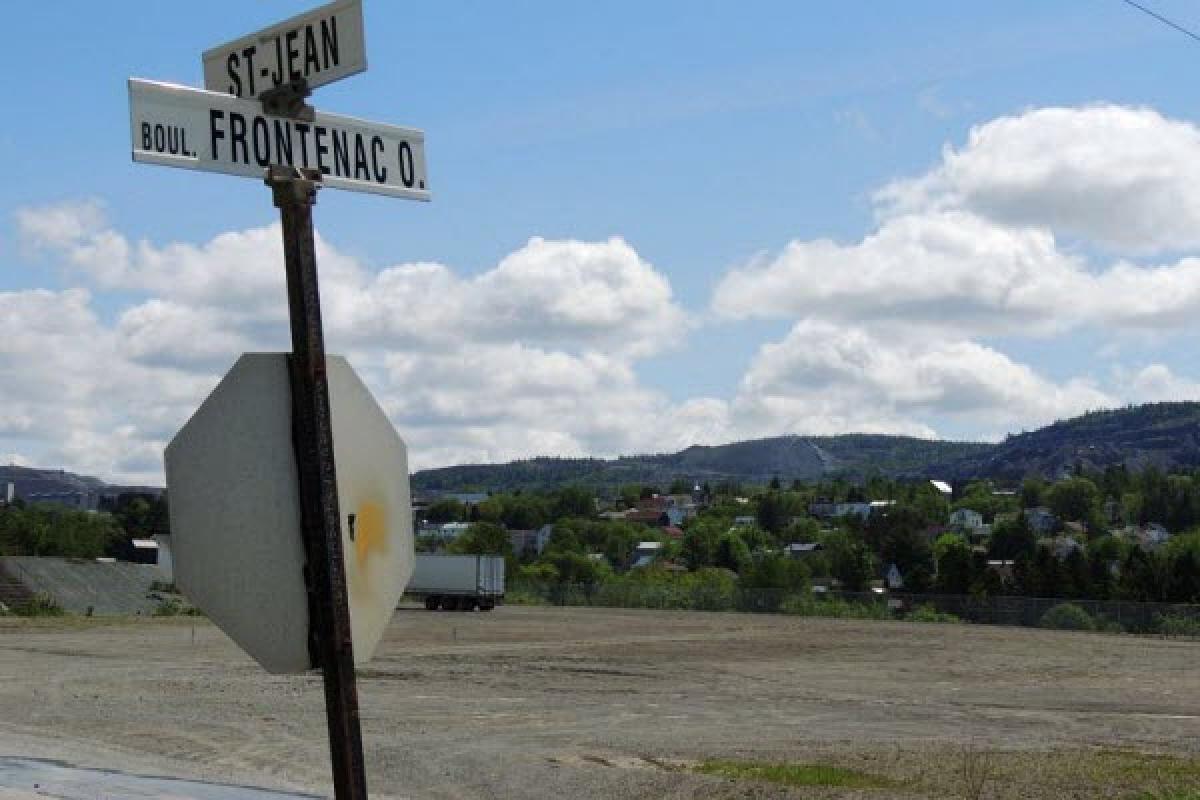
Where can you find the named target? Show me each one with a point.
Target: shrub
(927, 613)
(807, 606)
(1068, 617)
(40, 605)
(1178, 625)
(523, 597)
(174, 607)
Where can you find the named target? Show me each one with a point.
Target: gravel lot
(605, 703)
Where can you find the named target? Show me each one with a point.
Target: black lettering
(277, 75)
(160, 139)
(146, 141)
(173, 140)
(231, 64)
(360, 159)
(283, 141)
(311, 64)
(183, 143)
(214, 132)
(249, 54)
(262, 143)
(292, 55)
(376, 151)
(408, 174)
(341, 154)
(237, 135)
(329, 42)
(302, 129)
(322, 149)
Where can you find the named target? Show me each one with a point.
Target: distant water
(55, 779)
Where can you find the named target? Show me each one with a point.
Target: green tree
(680, 486)
(573, 501)
(445, 509)
(775, 571)
(1074, 499)
(1012, 539)
(700, 542)
(772, 514)
(732, 552)
(850, 561)
(483, 538)
(1033, 493)
(953, 556)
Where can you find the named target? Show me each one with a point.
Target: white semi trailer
(457, 583)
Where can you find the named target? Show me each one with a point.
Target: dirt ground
(603, 703)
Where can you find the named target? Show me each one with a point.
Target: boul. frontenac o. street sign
(177, 126)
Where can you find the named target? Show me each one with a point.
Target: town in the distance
(1095, 512)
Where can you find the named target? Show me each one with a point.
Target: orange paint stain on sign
(370, 532)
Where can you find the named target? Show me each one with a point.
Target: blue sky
(705, 137)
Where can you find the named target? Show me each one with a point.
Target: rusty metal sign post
(330, 642)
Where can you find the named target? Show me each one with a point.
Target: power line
(1162, 19)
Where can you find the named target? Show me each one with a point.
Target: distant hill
(1166, 435)
(30, 482)
(788, 457)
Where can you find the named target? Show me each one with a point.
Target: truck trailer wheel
(466, 603)
(450, 603)
(432, 602)
(486, 606)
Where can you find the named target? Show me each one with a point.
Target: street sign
(177, 126)
(318, 46)
(236, 521)
(323, 575)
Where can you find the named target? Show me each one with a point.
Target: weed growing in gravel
(40, 605)
(794, 774)
(927, 613)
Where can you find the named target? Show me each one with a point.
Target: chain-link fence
(1167, 619)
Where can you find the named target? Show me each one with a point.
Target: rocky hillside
(1166, 435)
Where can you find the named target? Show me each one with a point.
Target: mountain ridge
(1163, 435)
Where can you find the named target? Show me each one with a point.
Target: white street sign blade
(178, 126)
(321, 46)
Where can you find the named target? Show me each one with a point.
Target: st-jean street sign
(318, 47)
(178, 126)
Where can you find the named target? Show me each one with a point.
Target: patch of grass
(794, 774)
(927, 613)
(520, 597)
(1186, 794)
(40, 605)
(1068, 617)
(833, 607)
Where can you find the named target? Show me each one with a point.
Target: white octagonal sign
(235, 511)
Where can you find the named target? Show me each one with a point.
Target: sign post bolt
(295, 193)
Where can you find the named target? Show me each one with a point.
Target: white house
(445, 532)
(1041, 520)
(645, 553)
(966, 518)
